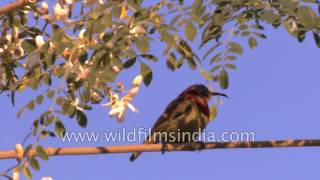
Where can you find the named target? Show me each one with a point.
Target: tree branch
(15, 5)
(61, 151)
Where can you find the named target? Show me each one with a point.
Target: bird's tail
(135, 155)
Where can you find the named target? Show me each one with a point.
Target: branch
(61, 151)
(15, 5)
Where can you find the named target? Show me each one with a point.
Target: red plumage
(188, 113)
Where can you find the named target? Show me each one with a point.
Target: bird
(188, 113)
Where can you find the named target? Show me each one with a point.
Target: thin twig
(15, 5)
(61, 151)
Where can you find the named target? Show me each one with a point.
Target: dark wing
(176, 110)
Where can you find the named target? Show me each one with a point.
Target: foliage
(85, 45)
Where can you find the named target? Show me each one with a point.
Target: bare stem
(61, 151)
(15, 5)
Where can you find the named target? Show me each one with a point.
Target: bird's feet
(164, 148)
(199, 146)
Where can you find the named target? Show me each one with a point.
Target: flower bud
(44, 8)
(39, 41)
(60, 12)
(81, 33)
(19, 151)
(137, 81)
(115, 69)
(134, 91)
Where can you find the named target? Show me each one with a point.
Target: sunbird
(189, 113)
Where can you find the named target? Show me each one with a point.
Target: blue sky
(274, 92)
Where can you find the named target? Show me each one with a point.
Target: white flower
(137, 30)
(39, 41)
(119, 106)
(60, 12)
(132, 108)
(118, 110)
(9, 37)
(69, 2)
(44, 5)
(16, 174)
(46, 178)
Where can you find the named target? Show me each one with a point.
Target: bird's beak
(218, 94)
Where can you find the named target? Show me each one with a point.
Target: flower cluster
(118, 106)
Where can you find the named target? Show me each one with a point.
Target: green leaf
(146, 73)
(59, 128)
(224, 79)
(150, 57)
(197, 8)
(83, 57)
(301, 36)
(215, 68)
(27, 150)
(19, 113)
(211, 50)
(50, 94)
(243, 27)
(310, 1)
(28, 45)
(65, 107)
(81, 119)
(129, 63)
(172, 61)
(34, 163)
(143, 45)
(184, 49)
(35, 125)
(316, 39)
(41, 153)
(260, 35)
(245, 33)
(27, 173)
(116, 11)
(175, 19)
(31, 105)
(206, 75)
(46, 79)
(71, 111)
(235, 48)
(39, 99)
(307, 17)
(252, 42)
(192, 63)
(230, 66)
(107, 20)
(190, 31)
(216, 58)
(49, 120)
(231, 58)
(213, 112)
